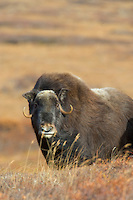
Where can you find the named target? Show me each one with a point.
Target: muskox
(76, 123)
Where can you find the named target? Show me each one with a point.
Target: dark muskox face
(46, 112)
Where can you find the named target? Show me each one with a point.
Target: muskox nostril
(46, 128)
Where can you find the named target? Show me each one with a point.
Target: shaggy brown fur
(103, 117)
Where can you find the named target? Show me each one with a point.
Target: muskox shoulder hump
(102, 92)
(58, 81)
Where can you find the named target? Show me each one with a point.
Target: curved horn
(64, 112)
(27, 116)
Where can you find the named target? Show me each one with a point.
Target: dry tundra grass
(102, 180)
(90, 38)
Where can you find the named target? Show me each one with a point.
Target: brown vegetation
(113, 180)
(92, 39)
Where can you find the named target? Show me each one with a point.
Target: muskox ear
(30, 96)
(63, 94)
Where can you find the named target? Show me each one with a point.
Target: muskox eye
(35, 105)
(57, 105)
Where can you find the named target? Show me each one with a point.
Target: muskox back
(102, 117)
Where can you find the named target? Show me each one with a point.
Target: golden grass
(101, 180)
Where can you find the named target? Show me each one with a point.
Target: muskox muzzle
(47, 130)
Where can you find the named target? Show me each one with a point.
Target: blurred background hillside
(90, 38)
